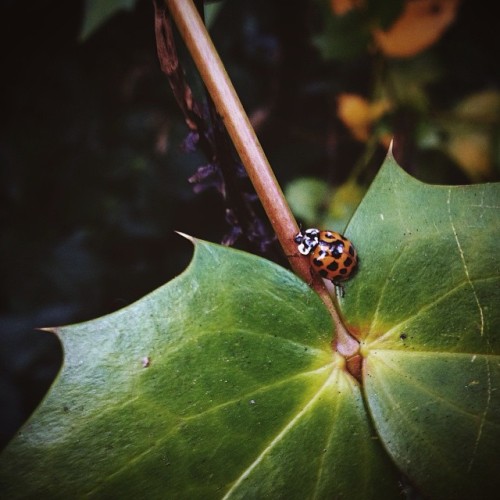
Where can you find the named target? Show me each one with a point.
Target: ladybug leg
(339, 288)
(311, 271)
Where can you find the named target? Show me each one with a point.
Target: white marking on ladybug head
(307, 240)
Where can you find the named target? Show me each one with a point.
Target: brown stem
(229, 107)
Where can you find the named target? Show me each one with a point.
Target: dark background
(93, 181)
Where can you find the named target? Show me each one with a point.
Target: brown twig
(229, 107)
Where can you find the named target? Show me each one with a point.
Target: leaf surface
(222, 383)
(425, 306)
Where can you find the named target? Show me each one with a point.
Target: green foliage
(98, 12)
(240, 375)
(342, 38)
(347, 36)
(223, 382)
(315, 205)
(306, 197)
(425, 307)
(94, 183)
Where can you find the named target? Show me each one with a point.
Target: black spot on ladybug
(333, 266)
(351, 250)
(323, 273)
(343, 271)
(348, 262)
(317, 262)
(337, 249)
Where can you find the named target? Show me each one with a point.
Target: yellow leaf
(481, 107)
(472, 152)
(358, 114)
(420, 25)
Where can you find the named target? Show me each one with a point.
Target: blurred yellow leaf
(472, 152)
(421, 24)
(482, 107)
(358, 114)
(471, 130)
(342, 204)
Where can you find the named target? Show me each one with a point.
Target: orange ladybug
(332, 255)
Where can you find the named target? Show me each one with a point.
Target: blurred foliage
(94, 178)
(97, 12)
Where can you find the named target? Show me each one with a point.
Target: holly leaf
(425, 307)
(222, 383)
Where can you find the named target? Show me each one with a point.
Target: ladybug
(332, 255)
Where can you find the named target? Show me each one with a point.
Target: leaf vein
(279, 436)
(466, 269)
(428, 306)
(483, 416)
(438, 397)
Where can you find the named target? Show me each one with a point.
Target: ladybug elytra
(331, 254)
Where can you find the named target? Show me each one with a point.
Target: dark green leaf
(343, 37)
(306, 197)
(425, 306)
(98, 12)
(222, 383)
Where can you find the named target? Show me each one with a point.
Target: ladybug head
(307, 240)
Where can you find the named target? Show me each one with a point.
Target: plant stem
(240, 130)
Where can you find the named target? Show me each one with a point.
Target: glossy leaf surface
(425, 306)
(222, 383)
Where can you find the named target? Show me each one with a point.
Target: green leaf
(342, 37)
(342, 204)
(425, 306)
(222, 383)
(306, 196)
(97, 12)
